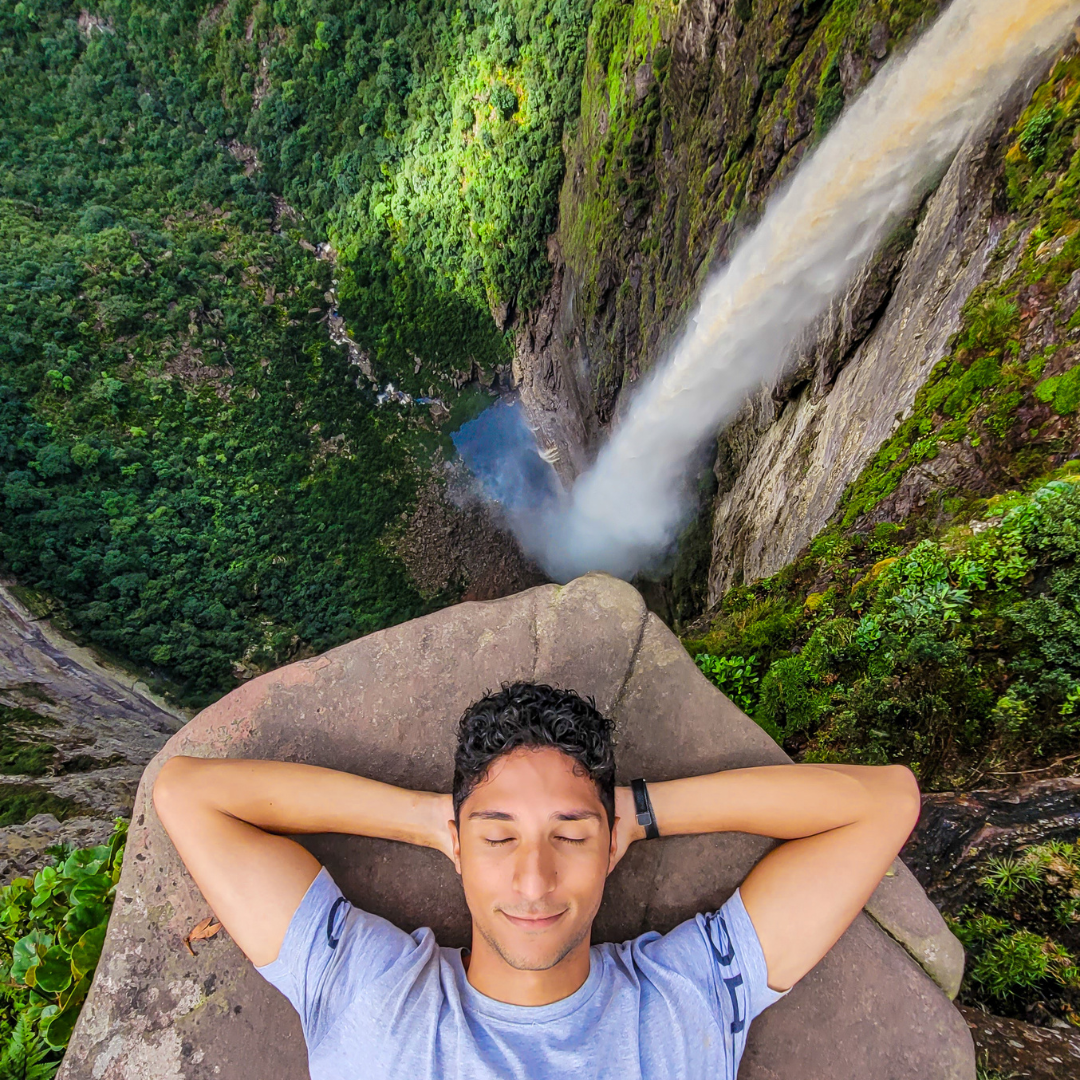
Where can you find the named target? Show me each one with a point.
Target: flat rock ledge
(385, 706)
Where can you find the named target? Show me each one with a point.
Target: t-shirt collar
(478, 1003)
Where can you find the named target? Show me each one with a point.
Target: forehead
(542, 777)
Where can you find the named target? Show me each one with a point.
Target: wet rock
(385, 706)
(959, 831)
(1012, 1048)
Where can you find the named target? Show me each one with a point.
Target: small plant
(52, 929)
(1021, 937)
(1035, 138)
(26, 1056)
(734, 675)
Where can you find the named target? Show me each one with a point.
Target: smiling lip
(533, 923)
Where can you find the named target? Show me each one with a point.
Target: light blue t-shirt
(377, 1003)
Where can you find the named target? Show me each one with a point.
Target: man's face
(533, 850)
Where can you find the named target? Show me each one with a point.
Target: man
(534, 826)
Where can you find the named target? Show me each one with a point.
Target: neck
(493, 977)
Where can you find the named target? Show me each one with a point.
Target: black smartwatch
(643, 809)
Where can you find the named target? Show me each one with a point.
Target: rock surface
(22, 847)
(1022, 1051)
(453, 539)
(959, 831)
(104, 725)
(385, 706)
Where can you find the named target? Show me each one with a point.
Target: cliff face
(784, 464)
(690, 120)
(74, 738)
(691, 116)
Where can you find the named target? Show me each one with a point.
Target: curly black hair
(533, 714)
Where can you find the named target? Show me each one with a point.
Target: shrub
(734, 675)
(504, 101)
(1061, 391)
(52, 929)
(792, 699)
(1035, 138)
(1018, 932)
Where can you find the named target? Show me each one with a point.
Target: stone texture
(452, 539)
(793, 459)
(22, 847)
(1012, 1048)
(385, 706)
(907, 914)
(104, 722)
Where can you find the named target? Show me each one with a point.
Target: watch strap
(643, 809)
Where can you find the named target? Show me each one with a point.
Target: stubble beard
(520, 964)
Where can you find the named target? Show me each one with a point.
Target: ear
(455, 842)
(614, 851)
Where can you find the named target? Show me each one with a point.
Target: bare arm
(844, 825)
(224, 817)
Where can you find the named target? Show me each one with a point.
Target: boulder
(385, 706)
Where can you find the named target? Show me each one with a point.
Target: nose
(534, 871)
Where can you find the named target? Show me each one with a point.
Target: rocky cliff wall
(75, 736)
(691, 117)
(692, 114)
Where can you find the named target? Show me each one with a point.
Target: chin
(535, 960)
(534, 955)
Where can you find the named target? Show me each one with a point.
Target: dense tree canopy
(188, 464)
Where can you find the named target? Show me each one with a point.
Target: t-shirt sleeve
(735, 952)
(331, 952)
(720, 953)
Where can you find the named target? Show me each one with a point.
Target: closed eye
(498, 843)
(571, 839)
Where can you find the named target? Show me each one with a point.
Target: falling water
(624, 512)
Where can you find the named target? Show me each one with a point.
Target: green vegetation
(660, 163)
(52, 929)
(21, 802)
(1023, 935)
(22, 751)
(952, 653)
(426, 134)
(735, 675)
(188, 465)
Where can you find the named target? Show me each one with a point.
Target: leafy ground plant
(52, 929)
(1023, 935)
(735, 675)
(952, 654)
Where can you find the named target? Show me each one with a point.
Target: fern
(25, 1054)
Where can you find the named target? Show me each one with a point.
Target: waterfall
(623, 513)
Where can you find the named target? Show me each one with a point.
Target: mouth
(531, 922)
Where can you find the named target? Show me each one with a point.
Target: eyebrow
(502, 815)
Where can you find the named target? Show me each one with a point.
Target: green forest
(197, 477)
(192, 473)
